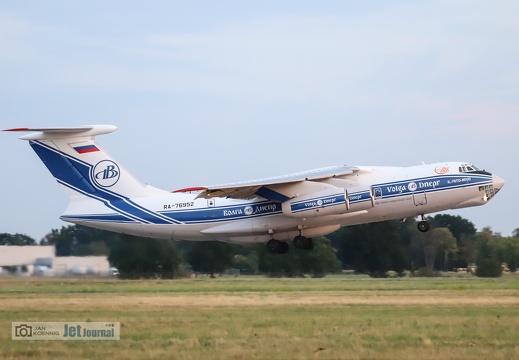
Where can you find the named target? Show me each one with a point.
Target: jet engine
(333, 201)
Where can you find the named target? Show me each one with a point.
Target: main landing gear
(281, 247)
(302, 242)
(423, 225)
(277, 247)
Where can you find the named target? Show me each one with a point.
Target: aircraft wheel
(277, 247)
(423, 226)
(299, 241)
(284, 248)
(302, 242)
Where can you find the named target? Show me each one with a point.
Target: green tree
(322, 259)
(434, 242)
(371, 248)
(467, 251)
(80, 240)
(505, 249)
(210, 257)
(137, 257)
(319, 261)
(16, 239)
(279, 265)
(488, 263)
(455, 223)
(510, 253)
(247, 264)
(464, 231)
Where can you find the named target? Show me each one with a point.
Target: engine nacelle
(360, 198)
(334, 201)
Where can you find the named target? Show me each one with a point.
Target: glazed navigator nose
(497, 182)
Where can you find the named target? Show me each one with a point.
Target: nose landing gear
(423, 226)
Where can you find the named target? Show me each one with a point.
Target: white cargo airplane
(275, 210)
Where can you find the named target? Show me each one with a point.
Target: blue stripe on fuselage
(195, 216)
(358, 197)
(225, 213)
(428, 184)
(318, 202)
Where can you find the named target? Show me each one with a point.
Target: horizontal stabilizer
(64, 132)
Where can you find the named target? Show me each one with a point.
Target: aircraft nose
(497, 182)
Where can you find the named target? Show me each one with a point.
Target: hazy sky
(210, 92)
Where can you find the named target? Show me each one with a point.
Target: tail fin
(80, 165)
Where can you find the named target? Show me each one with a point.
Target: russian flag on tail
(86, 149)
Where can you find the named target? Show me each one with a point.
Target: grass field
(337, 317)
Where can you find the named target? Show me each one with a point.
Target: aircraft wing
(279, 188)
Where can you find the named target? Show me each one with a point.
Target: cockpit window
(468, 168)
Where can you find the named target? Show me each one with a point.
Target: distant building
(42, 261)
(80, 265)
(24, 255)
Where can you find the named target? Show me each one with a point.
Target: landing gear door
(420, 198)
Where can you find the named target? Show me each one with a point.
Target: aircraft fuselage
(392, 193)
